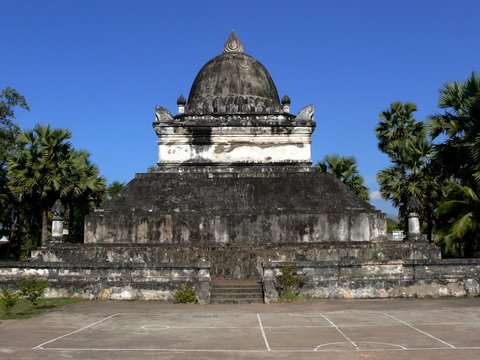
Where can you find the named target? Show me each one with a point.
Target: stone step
(236, 291)
(237, 301)
(218, 296)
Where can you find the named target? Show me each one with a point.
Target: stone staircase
(236, 291)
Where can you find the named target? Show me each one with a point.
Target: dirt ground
(325, 329)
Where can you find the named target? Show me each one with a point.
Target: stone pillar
(58, 210)
(413, 218)
(414, 232)
(270, 293)
(204, 282)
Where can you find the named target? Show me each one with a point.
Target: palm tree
(46, 168)
(396, 126)
(459, 220)
(83, 190)
(404, 140)
(345, 169)
(38, 169)
(459, 155)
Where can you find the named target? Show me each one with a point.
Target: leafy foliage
(458, 230)
(114, 189)
(10, 100)
(459, 155)
(393, 224)
(345, 169)
(185, 294)
(457, 160)
(404, 140)
(8, 300)
(31, 288)
(289, 282)
(47, 168)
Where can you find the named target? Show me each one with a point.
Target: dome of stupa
(233, 83)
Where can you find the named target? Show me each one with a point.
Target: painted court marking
(263, 333)
(341, 332)
(421, 331)
(76, 331)
(400, 347)
(155, 327)
(363, 346)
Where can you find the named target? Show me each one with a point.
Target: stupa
(234, 177)
(234, 196)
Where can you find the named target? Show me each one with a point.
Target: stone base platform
(111, 281)
(234, 205)
(233, 261)
(380, 279)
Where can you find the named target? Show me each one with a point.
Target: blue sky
(100, 67)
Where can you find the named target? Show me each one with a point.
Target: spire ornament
(233, 44)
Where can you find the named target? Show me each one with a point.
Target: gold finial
(233, 44)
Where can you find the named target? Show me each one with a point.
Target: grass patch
(24, 309)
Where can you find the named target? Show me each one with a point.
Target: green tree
(83, 190)
(458, 156)
(38, 169)
(46, 168)
(456, 159)
(404, 140)
(114, 189)
(10, 100)
(458, 229)
(345, 169)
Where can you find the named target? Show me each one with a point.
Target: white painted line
(341, 332)
(263, 333)
(173, 350)
(155, 327)
(400, 347)
(331, 343)
(421, 331)
(76, 331)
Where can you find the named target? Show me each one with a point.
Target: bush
(290, 282)
(31, 288)
(185, 294)
(8, 300)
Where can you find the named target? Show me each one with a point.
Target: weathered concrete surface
(380, 329)
(380, 279)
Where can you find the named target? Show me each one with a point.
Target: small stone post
(413, 218)
(181, 102)
(286, 103)
(58, 211)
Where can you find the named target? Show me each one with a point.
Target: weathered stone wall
(112, 281)
(228, 260)
(254, 206)
(380, 279)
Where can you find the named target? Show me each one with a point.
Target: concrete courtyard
(326, 329)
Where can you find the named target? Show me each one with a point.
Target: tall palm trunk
(44, 239)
